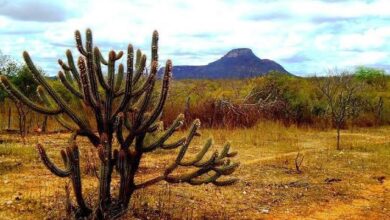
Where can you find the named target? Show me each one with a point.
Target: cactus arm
(63, 65)
(91, 69)
(154, 51)
(68, 76)
(79, 43)
(225, 182)
(119, 78)
(68, 86)
(12, 90)
(59, 118)
(128, 141)
(70, 67)
(110, 81)
(144, 105)
(146, 100)
(179, 179)
(100, 56)
(168, 133)
(66, 70)
(50, 165)
(98, 59)
(74, 160)
(149, 89)
(89, 72)
(225, 152)
(209, 179)
(173, 145)
(164, 93)
(184, 148)
(200, 154)
(188, 176)
(88, 96)
(208, 171)
(127, 123)
(64, 123)
(150, 182)
(144, 87)
(118, 129)
(139, 70)
(154, 127)
(226, 169)
(129, 81)
(208, 162)
(95, 140)
(138, 58)
(61, 103)
(195, 177)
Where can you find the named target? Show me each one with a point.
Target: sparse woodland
(120, 141)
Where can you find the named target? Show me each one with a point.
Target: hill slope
(236, 64)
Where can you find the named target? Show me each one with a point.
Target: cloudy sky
(306, 37)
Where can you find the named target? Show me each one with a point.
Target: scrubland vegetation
(333, 184)
(313, 147)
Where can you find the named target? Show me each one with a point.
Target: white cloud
(316, 33)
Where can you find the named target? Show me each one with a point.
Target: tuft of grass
(17, 150)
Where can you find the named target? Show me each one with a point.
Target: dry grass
(333, 184)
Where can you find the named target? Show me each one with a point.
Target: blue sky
(306, 37)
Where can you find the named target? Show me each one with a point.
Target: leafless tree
(341, 93)
(378, 110)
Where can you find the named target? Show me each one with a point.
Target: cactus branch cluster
(122, 112)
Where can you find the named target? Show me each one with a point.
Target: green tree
(372, 76)
(22, 78)
(8, 67)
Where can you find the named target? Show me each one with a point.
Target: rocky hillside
(237, 63)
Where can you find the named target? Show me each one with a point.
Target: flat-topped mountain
(236, 64)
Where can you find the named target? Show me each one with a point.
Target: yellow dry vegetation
(348, 184)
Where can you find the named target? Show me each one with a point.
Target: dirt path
(310, 146)
(307, 147)
(373, 201)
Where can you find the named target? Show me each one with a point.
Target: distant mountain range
(236, 64)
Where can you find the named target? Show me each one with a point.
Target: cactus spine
(122, 112)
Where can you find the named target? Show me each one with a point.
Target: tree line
(337, 99)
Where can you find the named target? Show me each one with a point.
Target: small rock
(265, 211)
(9, 202)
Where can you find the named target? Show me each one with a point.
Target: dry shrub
(217, 114)
(365, 120)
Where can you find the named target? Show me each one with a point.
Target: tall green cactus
(125, 113)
